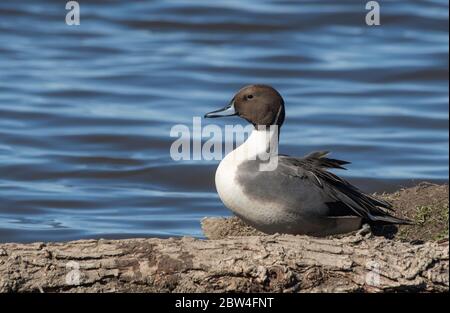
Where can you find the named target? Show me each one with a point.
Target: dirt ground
(426, 205)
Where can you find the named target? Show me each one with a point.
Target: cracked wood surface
(276, 263)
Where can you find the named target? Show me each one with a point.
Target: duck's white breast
(233, 195)
(229, 192)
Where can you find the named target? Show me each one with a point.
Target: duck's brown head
(260, 105)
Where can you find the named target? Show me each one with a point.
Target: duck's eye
(250, 97)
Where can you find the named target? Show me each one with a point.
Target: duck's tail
(388, 219)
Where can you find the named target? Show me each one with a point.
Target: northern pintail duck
(298, 195)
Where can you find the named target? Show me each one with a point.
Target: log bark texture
(276, 263)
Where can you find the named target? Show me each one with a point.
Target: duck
(277, 193)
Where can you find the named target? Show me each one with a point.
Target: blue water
(86, 111)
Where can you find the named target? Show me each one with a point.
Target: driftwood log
(277, 263)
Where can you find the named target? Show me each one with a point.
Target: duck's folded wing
(314, 168)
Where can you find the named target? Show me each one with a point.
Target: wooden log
(277, 263)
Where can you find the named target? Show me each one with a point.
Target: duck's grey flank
(320, 202)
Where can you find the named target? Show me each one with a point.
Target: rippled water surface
(86, 111)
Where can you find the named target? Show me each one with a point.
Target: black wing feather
(315, 165)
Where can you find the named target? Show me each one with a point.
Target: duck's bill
(226, 111)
